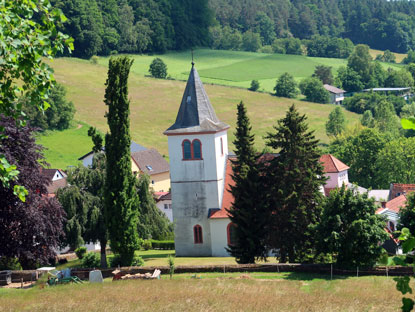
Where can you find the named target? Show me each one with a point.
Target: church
(200, 173)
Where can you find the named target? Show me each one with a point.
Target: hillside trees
(57, 117)
(324, 73)
(248, 213)
(336, 123)
(121, 197)
(293, 181)
(30, 230)
(286, 86)
(407, 213)
(350, 229)
(314, 91)
(23, 70)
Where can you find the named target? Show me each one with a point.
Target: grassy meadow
(65, 147)
(213, 292)
(155, 102)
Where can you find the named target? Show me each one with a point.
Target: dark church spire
(195, 114)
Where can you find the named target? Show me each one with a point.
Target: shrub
(314, 91)
(80, 252)
(286, 86)
(267, 49)
(94, 59)
(158, 69)
(165, 245)
(114, 52)
(116, 261)
(91, 260)
(170, 262)
(9, 264)
(147, 245)
(254, 85)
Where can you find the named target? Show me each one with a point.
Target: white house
(336, 94)
(163, 203)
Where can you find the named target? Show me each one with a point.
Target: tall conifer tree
(121, 199)
(294, 180)
(247, 211)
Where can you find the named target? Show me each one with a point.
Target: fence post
(387, 275)
(357, 271)
(331, 271)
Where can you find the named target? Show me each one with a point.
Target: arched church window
(231, 233)
(187, 150)
(197, 149)
(197, 234)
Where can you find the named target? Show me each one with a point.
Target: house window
(197, 234)
(197, 149)
(187, 150)
(231, 233)
(192, 150)
(221, 146)
(169, 206)
(152, 181)
(391, 226)
(166, 206)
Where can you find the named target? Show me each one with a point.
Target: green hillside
(154, 102)
(236, 68)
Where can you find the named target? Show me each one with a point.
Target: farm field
(213, 292)
(237, 68)
(155, 102)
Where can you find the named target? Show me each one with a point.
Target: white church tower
(198, 150)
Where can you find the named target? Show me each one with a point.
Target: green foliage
(360, 61)
(91, 260)
(361, 102)
(97, 139)
(170, 262)
(336, 123)
(163, 245)
(367, 119)
(248, 211)
(323, 73)
(118, 261)
(26, 43)
(251, 41)
(94, 59)
(360, 152)
(399, 79)
(158, 68)
(293, 183)
(350, 229)
(254, 85)
(80, 252)
(147, 244)
(57, 117)
(314, 91)
(10, 264)
(400, 153)
(286, 86)
(121, 199)
(287, 46)
(325, 46)
(152, 223)
(387, 57)
(407, 213)
(349, 79)
(410, 58)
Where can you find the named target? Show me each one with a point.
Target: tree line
(279, 205)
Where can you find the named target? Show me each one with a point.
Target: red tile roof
(396, 203)
(227, 195)
(401, 189)
(331, 164)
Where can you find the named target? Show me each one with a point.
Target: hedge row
(164, 245)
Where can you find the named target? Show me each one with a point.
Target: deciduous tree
(350, 229)
(30, 230)
(286, 86)
(336, 123)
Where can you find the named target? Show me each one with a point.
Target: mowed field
(238, 68)
(213, 292)
(155, 102)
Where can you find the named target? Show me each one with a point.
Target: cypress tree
(247, 211)
(294, 180)
(121, 199)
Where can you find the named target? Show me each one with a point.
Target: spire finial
(193, 63)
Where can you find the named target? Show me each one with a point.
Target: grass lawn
(213, 292)
(63, 148)
(155, 102)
